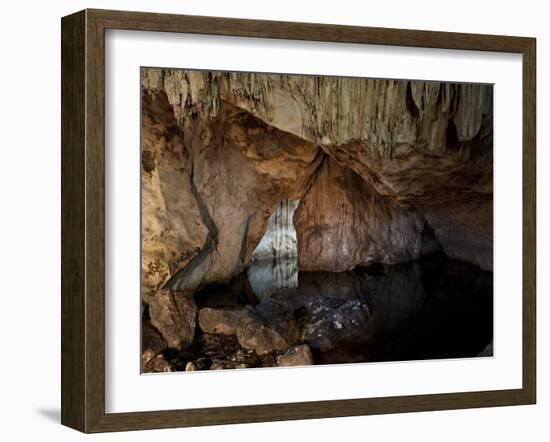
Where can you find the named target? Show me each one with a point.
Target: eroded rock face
(384, 171)
(209, 188)
(173, 231)
(465, 231)
(333, 110)
(238, 180)
(342, 222)
(427, 146)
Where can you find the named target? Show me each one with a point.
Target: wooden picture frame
(83, 216)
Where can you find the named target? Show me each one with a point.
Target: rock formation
(296, 356)
(424, 309)
(384, 171)
(279, 240)
(274, 263)
(173, 231)
(342, 222)
(174, 315)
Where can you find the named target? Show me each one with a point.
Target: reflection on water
(427, 309)
(269, 276)
(274, 263)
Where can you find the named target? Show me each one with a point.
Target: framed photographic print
(267, 220)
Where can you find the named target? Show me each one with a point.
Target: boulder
(174, 314)
(267, 328)
(223, 321)
(157, 365)
(224, 352)
(151, 339)
(339, 328)
(271, 166)
(190, 366)
(152, 344)
(296, 356)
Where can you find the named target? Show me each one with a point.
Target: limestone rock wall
(173, 230)
(234, 171)
(343, 222)
(385, 169)
(383, 114)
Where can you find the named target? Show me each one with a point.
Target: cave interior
(298, 220)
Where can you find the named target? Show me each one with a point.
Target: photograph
(294, 220)
(257, 221)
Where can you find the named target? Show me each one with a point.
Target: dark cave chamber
(429, 308)
(282, 226)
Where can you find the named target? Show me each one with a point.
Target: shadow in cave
(431, 308)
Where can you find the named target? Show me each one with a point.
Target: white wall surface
(30, 217)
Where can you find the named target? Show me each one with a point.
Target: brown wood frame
(83, 215)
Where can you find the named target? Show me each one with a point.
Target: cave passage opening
(274, 262)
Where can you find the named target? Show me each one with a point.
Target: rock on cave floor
(433, 308)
